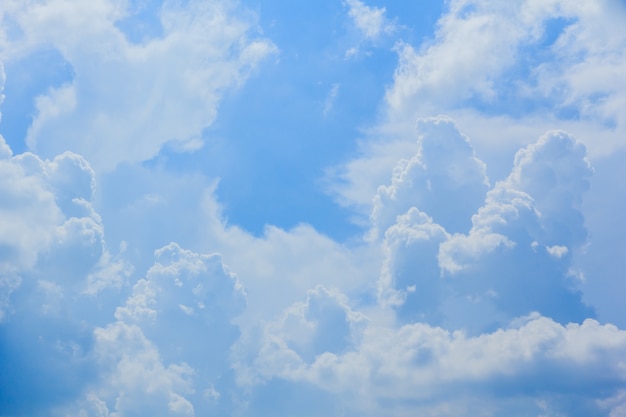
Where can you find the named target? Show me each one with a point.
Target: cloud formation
(54, 259)
(127, 99)
(461, 297)
(167, 351)
(447, 71)
(371, 21)
(492, 314)
(535, 366)
(444, 170)
(66, 340)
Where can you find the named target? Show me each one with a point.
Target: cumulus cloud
(515, 258)
(456, 311)
(535, 364)
(64, 337)
(523, 66)
(511, 70)
(491, 314)
(52, 243)
(168, 349)
(463, 299)
(50, 228)
(477, 41)
(528, 219)
(444, 179)
(126, 100)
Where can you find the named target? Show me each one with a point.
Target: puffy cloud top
(444, 179)
(517, 256)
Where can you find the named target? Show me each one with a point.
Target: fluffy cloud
(50, 229)
(512, 70)
(478, 41)
(533, 218)
(492, 314)
(126, 100)
(462, 300)
(535, 364)
(324, 323)
(436, 272)
(64, 338)
(53, 252)
(443, 179)
(167, 353)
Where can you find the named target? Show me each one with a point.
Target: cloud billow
(463, 296)
(168, 349)
(443, 179)
(517, 256)
(493, 315)
(126, 100)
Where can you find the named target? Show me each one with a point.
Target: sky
(335, 208)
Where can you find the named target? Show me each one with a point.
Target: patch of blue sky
(295, 117)
(299, 115)
(37, 365)
(26, 78)
(417, 20)
(143, 21)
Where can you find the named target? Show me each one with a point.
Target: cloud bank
(125, 291)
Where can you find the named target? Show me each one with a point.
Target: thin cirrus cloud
(126, 291)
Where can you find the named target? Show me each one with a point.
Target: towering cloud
(491, 315)
(533, 219)
(435, 271)
(444, 179)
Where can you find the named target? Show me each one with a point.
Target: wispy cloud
(330, 99)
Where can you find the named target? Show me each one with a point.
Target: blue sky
(350, 208)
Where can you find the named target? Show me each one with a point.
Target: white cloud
(476, 41)
(409, 278)
(49, 226)
(484, 277)
(505, 77)
(492, 55)
(127, 100)
(163, 359)
(508, 359)
(414, 368)
(371, 21)
(52, 241)
(443, 170)
(462, 304)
